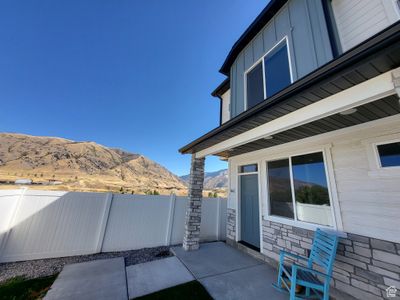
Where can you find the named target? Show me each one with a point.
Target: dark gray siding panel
(320, 32)
(239, 83)
(269, 36)
(258, 46)
(248, 56)
(282, 23)
(303, 23)
(302, 39)
(233, 87)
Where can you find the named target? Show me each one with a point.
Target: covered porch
(330, 123)
(370, 106)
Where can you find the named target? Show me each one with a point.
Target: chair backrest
(323, 251)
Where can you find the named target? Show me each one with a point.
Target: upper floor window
(269, 75)
(389, 154)
(255, 85)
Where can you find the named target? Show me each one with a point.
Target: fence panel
(136, 221)
(54, 224)
(178, 225)
(44, 224)
(9, 200)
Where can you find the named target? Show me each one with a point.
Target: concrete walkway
(227, 273)
(98, 279)
(156, 275)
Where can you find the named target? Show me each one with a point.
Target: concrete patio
(98, 279)
(225, 272)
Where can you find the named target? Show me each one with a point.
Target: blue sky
(134, 74)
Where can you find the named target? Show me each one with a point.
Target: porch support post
(193, 211)
(396, 80)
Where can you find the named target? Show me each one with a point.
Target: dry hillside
(81, 166)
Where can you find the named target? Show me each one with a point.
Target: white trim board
(310, 143)
(261, 159)
(375, 196)
(368, 91)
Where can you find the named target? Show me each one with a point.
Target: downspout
(332, 29)
(220, 110)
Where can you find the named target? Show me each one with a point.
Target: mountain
(212, 180)
(81, 165)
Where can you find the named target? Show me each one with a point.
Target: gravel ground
(45, 267)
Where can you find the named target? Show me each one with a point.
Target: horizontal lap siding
(370, 205)
(358, 20)
(369, 200)
(303, 22)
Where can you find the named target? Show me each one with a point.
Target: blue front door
(249, 210)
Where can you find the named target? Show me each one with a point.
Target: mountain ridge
(212, 180)
(82, 165)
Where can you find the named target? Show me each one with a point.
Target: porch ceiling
(385, 107)
(372, 58)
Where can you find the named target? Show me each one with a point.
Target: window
(255, 86)
(298, 189)
(277, 72)
(268, 76)
(389, 154)
(280, 194)
(248, 168)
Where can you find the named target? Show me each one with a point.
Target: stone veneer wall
(231, 224)
(364, 266)
(191, 235)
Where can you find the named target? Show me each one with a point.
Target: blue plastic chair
(323, 253)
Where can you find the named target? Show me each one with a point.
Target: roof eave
(262, 19)
(221, 89)
(375, 43)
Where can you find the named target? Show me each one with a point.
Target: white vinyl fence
(43, 224)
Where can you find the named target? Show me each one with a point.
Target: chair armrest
(296, 267)
(285, 253)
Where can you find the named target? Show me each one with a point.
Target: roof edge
(221, 88)
(374, 44)
(262, 19)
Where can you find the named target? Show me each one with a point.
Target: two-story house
(310, 127)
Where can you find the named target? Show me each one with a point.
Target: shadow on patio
(227, 273)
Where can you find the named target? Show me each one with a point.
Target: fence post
(8, 230)
(171, 216)
(104, 221)
(218, 213)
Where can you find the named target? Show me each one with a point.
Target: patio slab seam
(150, 277)
(218, 274)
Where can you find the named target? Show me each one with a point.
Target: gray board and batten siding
(303, 23)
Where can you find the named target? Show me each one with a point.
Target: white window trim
(375, 168)
(247, 173)
(378, 157)
(335, 211)
(285, 40)
(279, 152)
